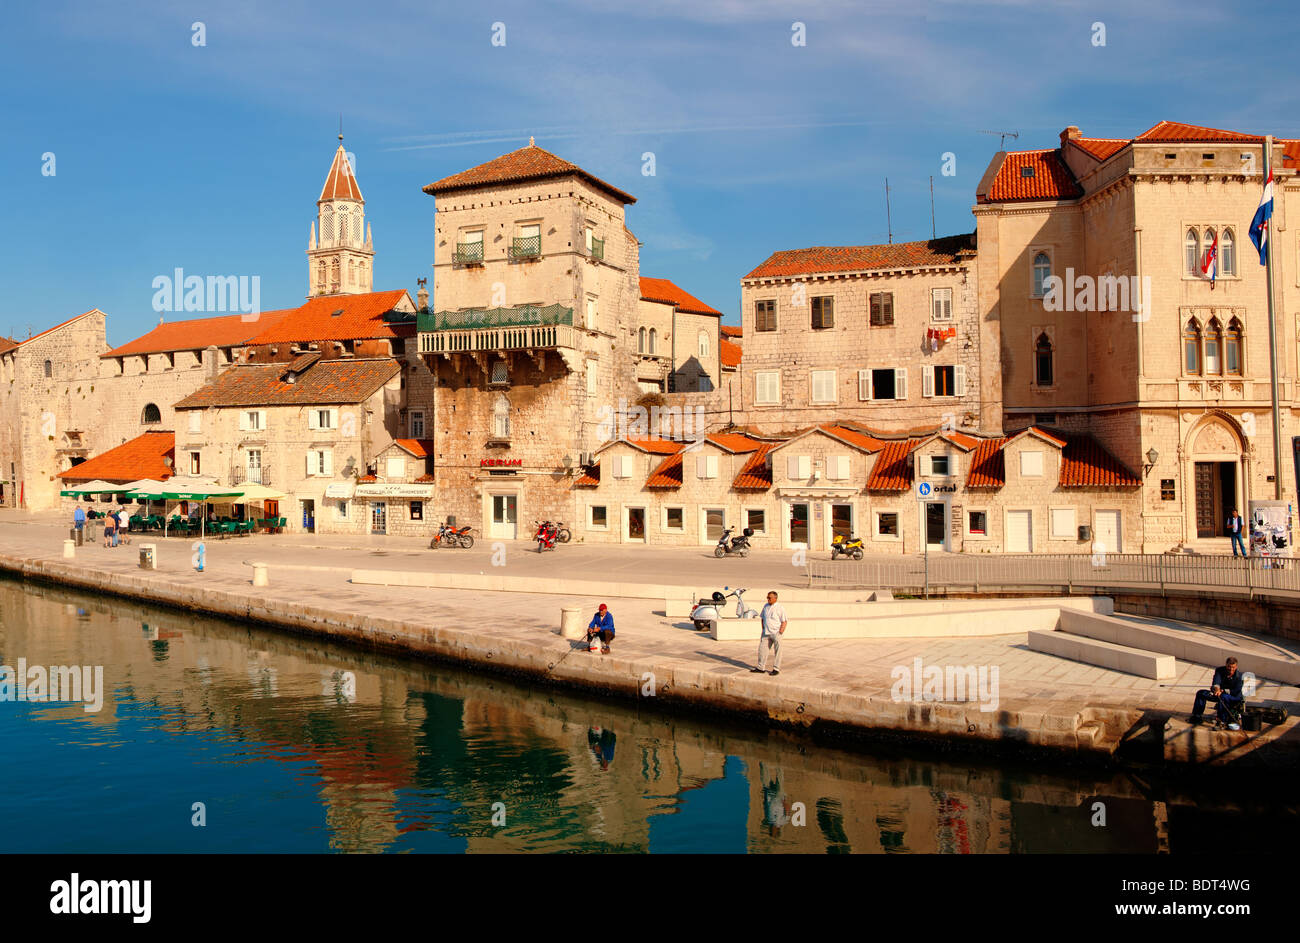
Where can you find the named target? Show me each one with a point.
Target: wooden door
(1205, 499)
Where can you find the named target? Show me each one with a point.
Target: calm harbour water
(297, 746)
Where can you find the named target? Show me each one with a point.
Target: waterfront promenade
(841, 685)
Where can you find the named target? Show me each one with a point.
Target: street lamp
(1152, 457)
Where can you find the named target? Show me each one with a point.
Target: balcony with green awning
(524, 327)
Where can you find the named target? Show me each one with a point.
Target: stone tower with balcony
(536, 287)
(339, 261)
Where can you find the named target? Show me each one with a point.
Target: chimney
(1069, 134)
(210, 363)
(422, 296)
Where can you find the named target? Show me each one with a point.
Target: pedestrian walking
(773, 622)
(79, 522)
(1236, 529)
(110, 531)
(124, 526)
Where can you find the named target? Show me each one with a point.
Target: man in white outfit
(773, 620)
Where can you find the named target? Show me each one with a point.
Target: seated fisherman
(1225, 691)
(602, 625)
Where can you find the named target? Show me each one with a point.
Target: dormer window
(1026, 171)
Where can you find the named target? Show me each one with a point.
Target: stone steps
(1090, 651)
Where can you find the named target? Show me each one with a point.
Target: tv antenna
(1002, 145)
(888, 220)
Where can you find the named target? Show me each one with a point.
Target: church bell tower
(339, 261)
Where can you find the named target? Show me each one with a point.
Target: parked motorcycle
(705, 614)
(728, 545)
(546, 536)
(846, 546)
(449, 536)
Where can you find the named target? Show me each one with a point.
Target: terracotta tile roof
(1055, 439)
(661, 289)
(854, 437)
(988, 465)
(424, 479)
(1085, 464)
(7, 343)
(960, 439)
(340, 182)
(756, 475)
(736, 442)
(668, 474)
(142, 457)
(658, 446)
(729, 354)
(1101, 148)
(1175, 132)
(360, 317)
(328, 382)
(367, 478)
(946, 250)
(731, 330)
(590, 478)
(229, 330)
(420, 448)
(893, 468)
(1290, 152)
(527, 163)
(1031, 175)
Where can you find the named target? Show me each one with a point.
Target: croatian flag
(1210, 265)
(1259, 225)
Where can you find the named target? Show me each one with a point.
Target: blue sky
(210, 158)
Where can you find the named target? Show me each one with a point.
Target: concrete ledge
(1090, 651)
(1200, 650)
(822, 605)
(949, 622)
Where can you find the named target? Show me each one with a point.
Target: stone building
(886, 335)
(535, 307)
(1090, 259)
(342, 260)
(306, 428)
(679, 333)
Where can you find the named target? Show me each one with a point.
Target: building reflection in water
(409, 757)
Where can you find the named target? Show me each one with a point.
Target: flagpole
(1272, 333)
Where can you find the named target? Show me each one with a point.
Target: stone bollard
(69, 549)
(571, 622)
(260, 576)
(148, 556)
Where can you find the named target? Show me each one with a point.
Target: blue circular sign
(923, 489)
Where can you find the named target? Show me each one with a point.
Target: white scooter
(705, 615)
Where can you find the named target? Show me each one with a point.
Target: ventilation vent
(335, 314)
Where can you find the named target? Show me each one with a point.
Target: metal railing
(501, 338)
(1066, 572)
(526, 247)
(468, 252)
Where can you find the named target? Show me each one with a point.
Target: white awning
(394, 490)
(339, 489)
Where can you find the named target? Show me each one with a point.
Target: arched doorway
(1214, 461)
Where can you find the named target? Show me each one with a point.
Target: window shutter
(900, 382)
(805, 466)
(792, 466)
(864, 385)
(261, 419)
(959, 383)
(334, 418)
(927, 380)
(313, 421)
(311, 467)
(712, 465)
(196, 420)
(243, 420)
(327, 463)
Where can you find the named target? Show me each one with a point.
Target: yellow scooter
(846, 546)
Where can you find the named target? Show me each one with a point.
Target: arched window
(151, 414)
(704, 345)
(1208, 244)
(1232, 348)
(640, 341)
(356, 227)
(1192, 348)
(327, 225)
(1213, 348)
(352, 271)
(344, 228)
(654, 336)
(1227, 253)
(1192, 253)
(1043, 372)
(334, 274)
(501, 418)
(1042, 271)
(320, 276)
(49, 369)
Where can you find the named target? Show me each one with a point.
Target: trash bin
(147, 561)
(81, 535)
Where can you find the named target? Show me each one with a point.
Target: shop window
(417, 510)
